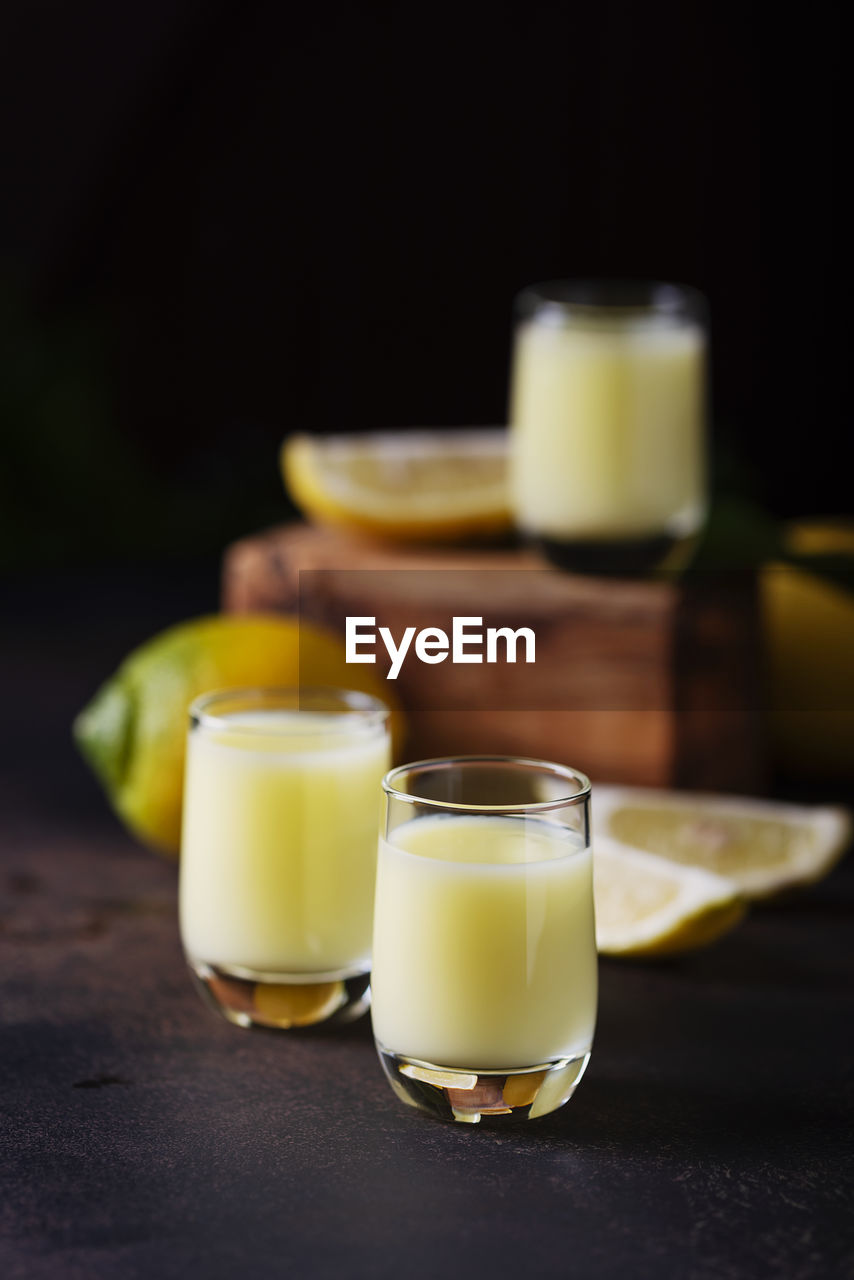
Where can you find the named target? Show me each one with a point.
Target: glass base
(630, 557)
(281, 1001)
(523, 1093)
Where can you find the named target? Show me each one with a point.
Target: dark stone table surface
(141, 1136)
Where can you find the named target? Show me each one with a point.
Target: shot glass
(484, 974)
(278, 857)
(607, 417)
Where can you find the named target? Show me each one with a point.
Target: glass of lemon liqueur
(279, 848)
(607, 416)
(484, 973)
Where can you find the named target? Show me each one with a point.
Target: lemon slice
(763, 846)
(416, 486)
(646, 905)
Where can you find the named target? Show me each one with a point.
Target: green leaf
(738, 534)
(837, 568)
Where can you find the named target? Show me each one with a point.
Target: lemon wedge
(408, 486)
(646, 905)
(762, 846)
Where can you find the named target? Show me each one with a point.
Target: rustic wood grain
(648, 682)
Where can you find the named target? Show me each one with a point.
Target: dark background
(222, 223)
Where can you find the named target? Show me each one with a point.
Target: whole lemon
(808, 625)
(133, 732)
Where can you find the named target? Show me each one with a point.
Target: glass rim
(579, 796)
(634, 298)
(355, 706)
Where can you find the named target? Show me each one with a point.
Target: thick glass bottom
(630, 557)
(451, 1093)
(281, 1001)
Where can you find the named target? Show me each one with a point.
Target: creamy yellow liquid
(484, 945)
(607, 430)
(279, 842)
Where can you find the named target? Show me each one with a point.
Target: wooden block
(652, 683)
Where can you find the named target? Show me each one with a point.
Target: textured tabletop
(142, 1137)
